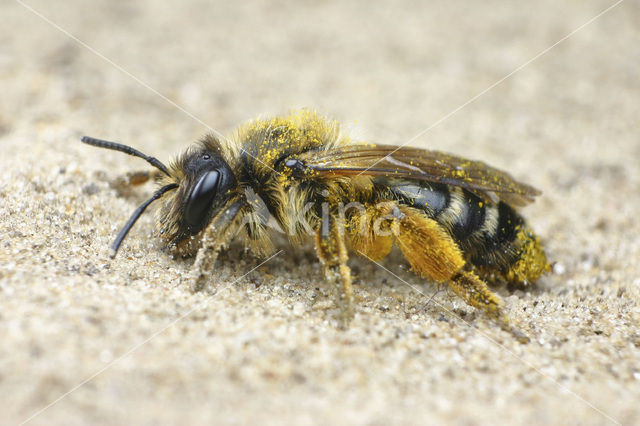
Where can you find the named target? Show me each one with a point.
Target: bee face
(206, 183)
(209, 183)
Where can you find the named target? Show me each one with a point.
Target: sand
(87, 339)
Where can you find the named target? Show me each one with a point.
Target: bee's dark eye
(201, 199)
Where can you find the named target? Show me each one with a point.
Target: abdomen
(493, 236)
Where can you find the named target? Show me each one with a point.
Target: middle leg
(332, 252)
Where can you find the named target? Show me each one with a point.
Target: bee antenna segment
(127, 150)
(135, 215)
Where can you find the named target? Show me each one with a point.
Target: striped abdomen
(488, 233)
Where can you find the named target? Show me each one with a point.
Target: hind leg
(469, 287)
(432, 254)
(473, 290)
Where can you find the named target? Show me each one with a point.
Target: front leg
(332, 252)
(215, 237)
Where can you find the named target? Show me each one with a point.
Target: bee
(453, 219)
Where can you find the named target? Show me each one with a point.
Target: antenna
(127, 150)
(135, 215)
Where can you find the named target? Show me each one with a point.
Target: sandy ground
(91, 340)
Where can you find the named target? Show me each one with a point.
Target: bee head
(206, 183)
(196, 186)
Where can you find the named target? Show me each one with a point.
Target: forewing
(422, 165)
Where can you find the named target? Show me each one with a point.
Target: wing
(421, 165)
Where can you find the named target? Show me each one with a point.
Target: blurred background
(546, 90)
(394, 68)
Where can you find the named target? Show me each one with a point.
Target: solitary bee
(453, 219)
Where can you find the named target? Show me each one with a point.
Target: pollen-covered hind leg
(332, 252)
(432, 253)
(469, 287)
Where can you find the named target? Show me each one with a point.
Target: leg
(433, 254)
(332, 252)
(469, 287)
(370, 234)
(214, 238)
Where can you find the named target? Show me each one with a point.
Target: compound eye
(201, 199)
